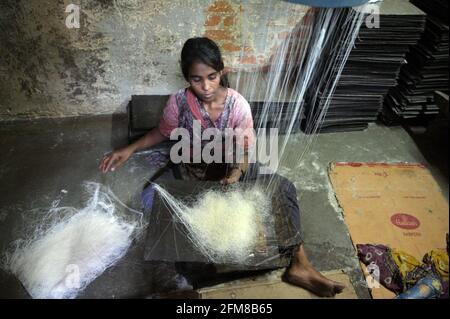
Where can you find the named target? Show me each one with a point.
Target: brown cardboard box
(398, 205)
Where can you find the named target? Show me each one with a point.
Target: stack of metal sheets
(372, 68)
(426, 71)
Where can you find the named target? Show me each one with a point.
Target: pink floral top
(184, 107)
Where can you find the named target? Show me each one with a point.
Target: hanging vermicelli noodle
(306, 66)
(79, 245)
(76, 247)
(223, 225)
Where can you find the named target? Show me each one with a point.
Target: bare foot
(309, 278)
(303, 274)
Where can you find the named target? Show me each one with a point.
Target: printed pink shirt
(236, 114)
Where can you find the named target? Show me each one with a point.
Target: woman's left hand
(233, 177)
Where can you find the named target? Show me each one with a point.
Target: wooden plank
(271, 286)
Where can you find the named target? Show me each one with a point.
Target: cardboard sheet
(398, 205)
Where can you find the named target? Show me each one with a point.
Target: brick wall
(122, 47)
(249, 34)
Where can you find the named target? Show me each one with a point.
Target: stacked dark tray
(371, 70)
(426, 72)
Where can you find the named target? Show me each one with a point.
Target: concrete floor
(43, 157)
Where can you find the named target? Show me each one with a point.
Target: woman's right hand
(115, 159)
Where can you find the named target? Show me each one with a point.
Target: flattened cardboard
(398, 205)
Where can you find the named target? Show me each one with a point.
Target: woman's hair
(202, 50)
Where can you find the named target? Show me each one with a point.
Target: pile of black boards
(413, 99)
(372, 68)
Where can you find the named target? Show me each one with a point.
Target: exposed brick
(220, 6)
(293, 21)
(231, 47)
(277, 23)
(213, 20)
(261, 59)
(283, 35)
(218, 34)
(236, 47)
(228, 21)
(249, 59)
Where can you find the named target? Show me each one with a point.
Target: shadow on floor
(433, 142)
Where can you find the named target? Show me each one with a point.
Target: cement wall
(122, 47)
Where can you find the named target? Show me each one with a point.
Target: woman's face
(204, 81)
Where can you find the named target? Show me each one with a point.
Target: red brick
(276, 23)
(283, 35)
(220, 6)
(249, 59)
(230, 47)
(292, 22)
(261, 59)
(218, 34)
(213, 21)
(228, 21)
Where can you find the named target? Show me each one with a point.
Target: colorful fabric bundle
(400, 272)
